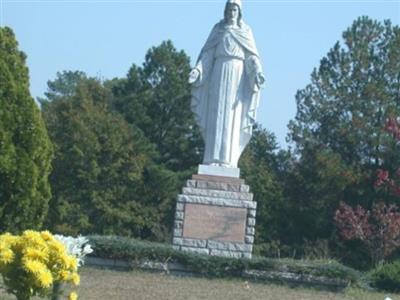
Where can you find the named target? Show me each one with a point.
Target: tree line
(110, 156)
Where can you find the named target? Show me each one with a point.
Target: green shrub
(134, 250)
(25, 148)
(308, 249)
(387, 277)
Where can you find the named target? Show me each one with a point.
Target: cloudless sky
(104, 38)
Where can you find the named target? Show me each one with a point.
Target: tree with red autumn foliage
(385, 180)
(378, 229)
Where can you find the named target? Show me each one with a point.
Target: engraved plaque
(218, 223)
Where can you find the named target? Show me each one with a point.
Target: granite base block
(195, 250)
(240, 247)
(178, 224)
(179, 215)
(180, 206)
(251, 213)
(225, 253)
(178, 232)
(215, 201)
(215, 215)
(190, 242)
(249, 239)
(218, 193)
(250, 231)
(251, 222)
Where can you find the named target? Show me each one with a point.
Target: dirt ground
(98, 284)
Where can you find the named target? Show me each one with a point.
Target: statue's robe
(226, 95)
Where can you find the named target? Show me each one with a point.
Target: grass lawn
(139, 285)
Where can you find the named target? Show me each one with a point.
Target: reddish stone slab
(217, 223)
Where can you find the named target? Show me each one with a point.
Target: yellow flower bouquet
(33, 262)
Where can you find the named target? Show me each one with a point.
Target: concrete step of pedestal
(218, 193)
(205, 177)
(218, 185)
(217, 201)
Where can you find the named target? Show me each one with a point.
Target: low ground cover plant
(387, 277)
(115, 247)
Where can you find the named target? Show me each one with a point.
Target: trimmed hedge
(134, 250)
(386, 277)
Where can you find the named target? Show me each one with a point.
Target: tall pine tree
(338, 129)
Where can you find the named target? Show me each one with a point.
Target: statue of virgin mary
(226, 84)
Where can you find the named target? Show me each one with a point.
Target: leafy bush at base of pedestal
(387, 277)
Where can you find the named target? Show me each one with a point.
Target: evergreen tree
(25, 149)
(155, 102)
(156, 98)
(263, 167)
(99, 163)
(64, 85)
(338, 129)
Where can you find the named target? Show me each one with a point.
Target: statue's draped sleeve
(251, 96)
(200, 87)
(204, 65)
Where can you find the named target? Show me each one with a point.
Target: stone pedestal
(215, 215)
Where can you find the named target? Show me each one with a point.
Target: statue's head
(233, 10)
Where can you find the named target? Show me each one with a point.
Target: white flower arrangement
(78, 247)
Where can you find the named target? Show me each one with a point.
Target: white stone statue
(226, 84)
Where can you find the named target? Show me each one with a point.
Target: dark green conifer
(25, 149)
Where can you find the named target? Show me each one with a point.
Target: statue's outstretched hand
(260, 79)
(194, 75)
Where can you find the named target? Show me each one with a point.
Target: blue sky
(104, 37)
